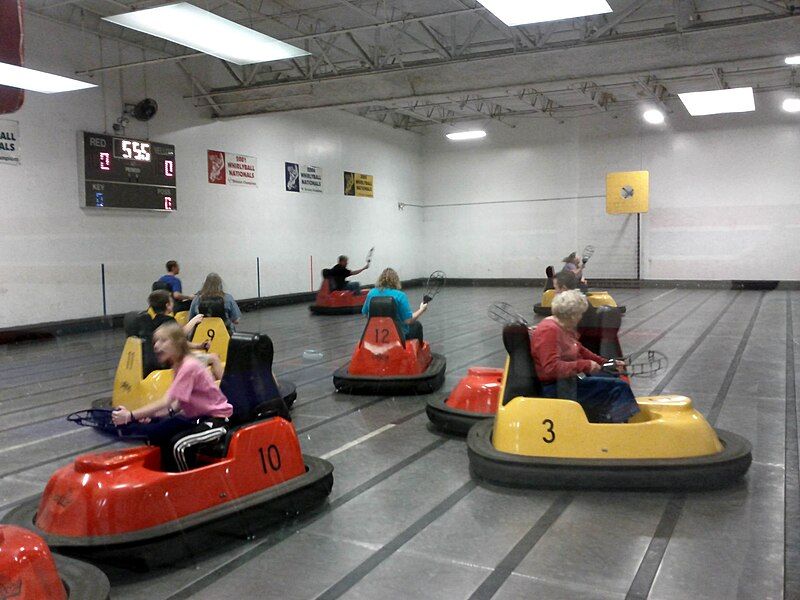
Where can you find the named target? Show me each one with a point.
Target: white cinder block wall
(51, 250)
(724, 196)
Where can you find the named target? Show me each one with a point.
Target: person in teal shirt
(388, 285)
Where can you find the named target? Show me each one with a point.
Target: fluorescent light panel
(520, 12)
(792, 60)
(460, 136)
(193, 27)
(717, 102)
(38, 81)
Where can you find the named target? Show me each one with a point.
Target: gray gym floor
(405, 520)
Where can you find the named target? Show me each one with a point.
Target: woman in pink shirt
(567, 369)
(196, 411)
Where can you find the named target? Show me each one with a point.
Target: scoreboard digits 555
(121, 172)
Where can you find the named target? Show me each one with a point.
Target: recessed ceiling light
(516, 12)
(38, 81)
(460, 136)
(792, 60)
(791, 105)
(193, 27)
(717, 102)
(653, 116)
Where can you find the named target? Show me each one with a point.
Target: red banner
(11, 99)
(216, 167)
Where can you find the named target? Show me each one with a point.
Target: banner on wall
(9, 142)
(228, 168)
(627, 192)
(303, 178)
(11, 51)
(358, 184)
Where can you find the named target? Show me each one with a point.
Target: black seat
(521, 378)
(161, 285)
(249, 386)
(599, 331)
(248, 383)
(132, 325)
(212, 307)
(384, 306)
(550, 272)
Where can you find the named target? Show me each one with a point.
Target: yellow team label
(358, 184)
(627, 192)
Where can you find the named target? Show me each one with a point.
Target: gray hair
(569, 305)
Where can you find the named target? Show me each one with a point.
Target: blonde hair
(569, 305)
(212, 287)
(176, 335)
(389, 279)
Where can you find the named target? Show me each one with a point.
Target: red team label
(216, 167)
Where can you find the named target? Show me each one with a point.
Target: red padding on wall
(11, 51)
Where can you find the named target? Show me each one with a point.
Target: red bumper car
(29, 571)
(339, 302)
(103, 504)
(476, 395)
(385, 363)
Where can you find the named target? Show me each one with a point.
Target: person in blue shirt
(176, 287)
(388, 284)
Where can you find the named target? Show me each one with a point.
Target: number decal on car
(549, 424)
(271, 459)
(381, 336)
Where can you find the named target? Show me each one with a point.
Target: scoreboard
(121, 172)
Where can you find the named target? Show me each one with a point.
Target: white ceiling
(412, 63)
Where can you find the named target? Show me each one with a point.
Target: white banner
(9, 142)
(241, 169)
(303, 178)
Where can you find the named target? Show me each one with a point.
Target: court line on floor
(37, 441)
(642, 582)
(357, 441)
(655, 314)
(373, 561)
(489, 587)
(56, 458)
(791, 482)
(272, 540)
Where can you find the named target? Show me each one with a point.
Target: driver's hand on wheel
(594, 368)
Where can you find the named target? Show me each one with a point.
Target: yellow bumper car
(549, 442)
(596, 298)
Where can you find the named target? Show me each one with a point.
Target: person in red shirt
(567, 369)
(196, 410)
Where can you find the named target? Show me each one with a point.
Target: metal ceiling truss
(372, 38)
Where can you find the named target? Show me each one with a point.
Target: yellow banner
(627, 192)
(358, 184)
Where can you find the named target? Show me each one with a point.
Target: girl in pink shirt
(196, 410)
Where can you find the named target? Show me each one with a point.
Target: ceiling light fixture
(653, 116)
(460, 136)
(791, 105)
(792, 60)
(514, 12)
(39, 81)
(193, 27)
(717, 102)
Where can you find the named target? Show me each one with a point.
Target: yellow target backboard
(627, 192)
